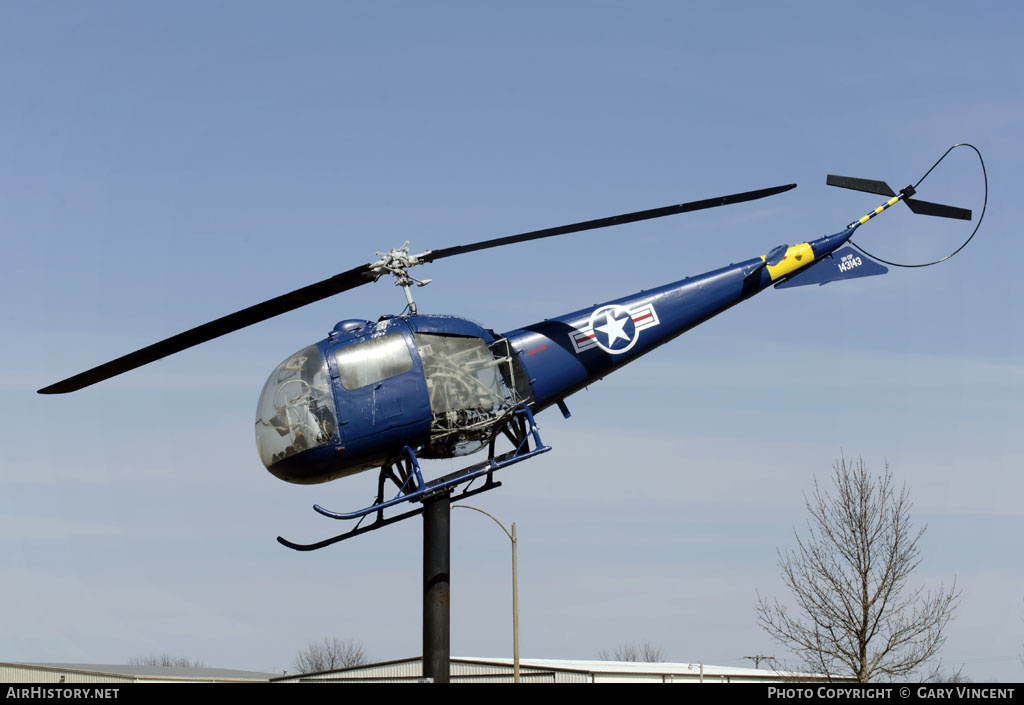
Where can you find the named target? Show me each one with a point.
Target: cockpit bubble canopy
(295, 410)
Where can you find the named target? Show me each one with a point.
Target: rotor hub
(397, 263)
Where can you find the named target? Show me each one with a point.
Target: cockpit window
(372, 361)
(295, 411)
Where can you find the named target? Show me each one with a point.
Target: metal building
(108, 673)
(499, 670)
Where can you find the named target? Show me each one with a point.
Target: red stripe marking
(640, 318)
(537, 350)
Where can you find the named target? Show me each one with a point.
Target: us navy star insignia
(614, 328)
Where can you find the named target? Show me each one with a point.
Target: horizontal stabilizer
(845, 263)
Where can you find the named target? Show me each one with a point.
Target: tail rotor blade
(867, 185)
(882, 189)
(938, 209)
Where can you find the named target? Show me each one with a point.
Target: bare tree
(938, 675)
(330, 654)
(166, 660)
(644, 652)
(855, 614)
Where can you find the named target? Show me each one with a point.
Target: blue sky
(162, 164)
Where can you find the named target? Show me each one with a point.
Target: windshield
(295, 411)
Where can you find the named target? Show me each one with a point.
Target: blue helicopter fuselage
(441, 384)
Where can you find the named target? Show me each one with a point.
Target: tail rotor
(915, 205)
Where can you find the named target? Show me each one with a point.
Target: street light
(515, 586)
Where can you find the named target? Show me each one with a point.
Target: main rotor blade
(214, 329)
(363, 274)
(606, 222)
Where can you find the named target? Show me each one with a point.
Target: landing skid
(405, 474)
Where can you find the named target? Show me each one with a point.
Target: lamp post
(515, 587)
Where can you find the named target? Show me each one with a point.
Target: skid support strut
(404, 473)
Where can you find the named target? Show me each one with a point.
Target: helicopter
(386, 394)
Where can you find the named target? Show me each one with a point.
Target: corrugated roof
(634, 667)
(165, 672)
(470, 667)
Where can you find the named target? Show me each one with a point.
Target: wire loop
(981, 217)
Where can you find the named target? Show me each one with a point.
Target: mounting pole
(436, 588)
